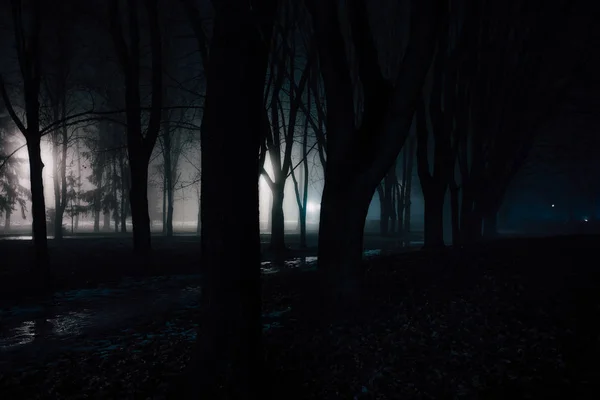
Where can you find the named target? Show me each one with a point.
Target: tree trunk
(471, 225)
(38, 203)
(124, 191)
(96, 220)
(138, 200)
(115, 193)
(390, 182)
(409, 178)
(304, 190)
(229, 350)
(343, 215)
(58, 216)
(106, 222)
(164, 202)
(78, 201)
(393, 215)
(277, 218)
(400, 209)
(434, 217)
(169, 176)
(455, 213)
(199, 223)
(383, 211)
(270, 213)
(7, 221)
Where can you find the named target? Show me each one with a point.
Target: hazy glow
(552, 205)
(585, 220)
(46, 159)
(312, 207)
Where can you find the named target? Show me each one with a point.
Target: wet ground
(513, 319)
(82, 318)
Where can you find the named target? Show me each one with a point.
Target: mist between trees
(178, 117)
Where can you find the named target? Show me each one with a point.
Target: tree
(359, 157)
(140, 142)
(231, 329)
(517, 72)
(27, 31)
(56, 88)
(280, 146)
(12, 192)
(440, 99)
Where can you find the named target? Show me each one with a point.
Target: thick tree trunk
(228, 349)
(38, 203)
(471, 225)
(455, 214)
(383, 211)
(434, 218)
(138, 200)
(409, 177)
(277, 219)
(341, 228)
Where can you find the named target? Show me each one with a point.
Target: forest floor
(511, 319)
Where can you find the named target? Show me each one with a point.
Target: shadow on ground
(509, 319)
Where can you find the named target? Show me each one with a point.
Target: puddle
(62, 325)
(69, 316)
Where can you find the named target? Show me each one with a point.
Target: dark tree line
(460, 96)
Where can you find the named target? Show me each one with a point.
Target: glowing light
(552, 205)
(585, 220)
(46, 154)
(312, 207)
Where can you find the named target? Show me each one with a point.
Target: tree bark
(7, 215)
(409, 178)
(124, 190)
(455, 212)
(341, 229)
(228, 350)
(38, 203)
(434, 219)
(167, 151)
(138, 198)
(277, 218)
(78, 191)
(139, 146)
(383, 210)
(58, 216)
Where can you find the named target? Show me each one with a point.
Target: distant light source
(552, 205)
(312, 207)
(585, 220)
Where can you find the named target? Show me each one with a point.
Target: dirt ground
(511, 319)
